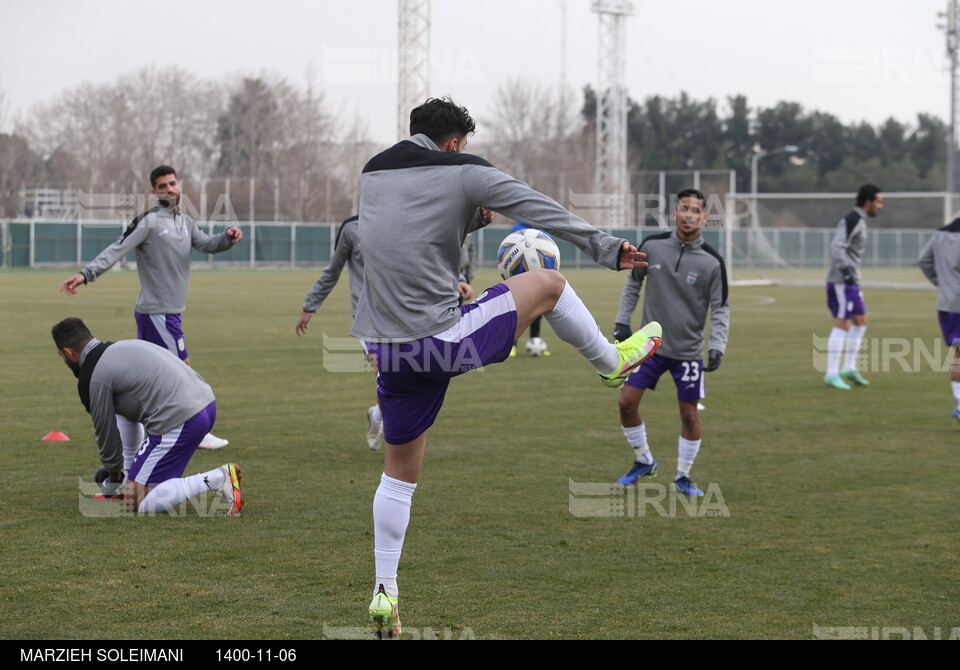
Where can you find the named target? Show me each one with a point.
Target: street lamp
(788, 149)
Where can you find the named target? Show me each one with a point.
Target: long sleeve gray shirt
(346, 252)
(162, 238)
(940, 263)
(684, 280)
(146, 384)
(417, 205)
(847, 245)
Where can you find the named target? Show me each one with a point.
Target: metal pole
(754, 219)
(951, 29)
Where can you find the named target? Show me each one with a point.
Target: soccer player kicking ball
(940, 263)
(418, 201)
(147, 384)
(844, 297)
(686, 277)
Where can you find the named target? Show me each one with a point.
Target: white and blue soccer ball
(536, 347)
(527, 249)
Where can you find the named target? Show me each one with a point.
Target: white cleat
(211, 441)
(375, 433)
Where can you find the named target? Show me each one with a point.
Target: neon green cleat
(384, 615)
(853, 377)
(633, 351)
(836, 382)
(513, 351)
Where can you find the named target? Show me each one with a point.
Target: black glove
(110, 487)
(713, 361)
(621, 331)
(849, 276)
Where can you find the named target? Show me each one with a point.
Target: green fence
(45, 244)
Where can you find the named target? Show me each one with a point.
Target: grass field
(842, 505)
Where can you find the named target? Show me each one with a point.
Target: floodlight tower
(413, 60)
(611, 175)
(951, 29)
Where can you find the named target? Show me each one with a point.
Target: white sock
(391, 514)
(687, 455)
(131, 437)
(835, 350)
(165, 496)
(573, 323)
(376, 415)
(956, 392)
(854, 342)
(637, 438)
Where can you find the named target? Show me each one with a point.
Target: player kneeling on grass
(686, 278)
(146, 383)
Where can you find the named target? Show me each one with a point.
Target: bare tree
(535, 133)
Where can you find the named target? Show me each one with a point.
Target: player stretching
(940, 262)
(148, 385)
(418, 201)
(844, 297)
(686, 277)
(162, 237)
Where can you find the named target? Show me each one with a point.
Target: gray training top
(417, 205)
(940, 263)
(146, 384)
(685, 279)
(346, 252)
(846, 248)
(162, 238)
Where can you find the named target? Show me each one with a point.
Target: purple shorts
(163, 330)
(163, 457)
(412, 377)
(845, 300)
(950, 327)
(687, 375)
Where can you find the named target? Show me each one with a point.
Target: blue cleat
(637, 471)
(685, 486)
(836, 382)
(853, 377)
(956, 415)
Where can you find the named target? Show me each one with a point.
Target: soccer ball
(527, 249)
(536, 347)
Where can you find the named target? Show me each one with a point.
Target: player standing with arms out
(844, 297)
(347, 252)
(147, 385)
(940, 263)
(162, 237)
(685, 278)
(418, 201)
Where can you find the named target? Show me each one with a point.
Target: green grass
(842, 506)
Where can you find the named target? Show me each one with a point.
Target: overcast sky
(858, 59)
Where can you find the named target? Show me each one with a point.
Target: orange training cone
(55, 436)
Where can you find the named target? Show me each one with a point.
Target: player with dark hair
(940, 263)
(147, 385)
(418, 201)
(686, 278)
(844, 297)
(162, 238)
